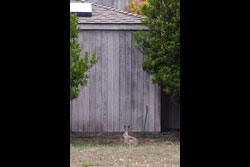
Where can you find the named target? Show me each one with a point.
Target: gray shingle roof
(109, 15)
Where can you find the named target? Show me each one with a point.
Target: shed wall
(170, 114)
(119, 4)
(118, 88)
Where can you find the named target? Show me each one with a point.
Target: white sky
(80, 7)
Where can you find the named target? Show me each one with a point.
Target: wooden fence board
(122, 79)
(120, 4)
(98, 126)
(85, 95)
(134, 86)
(146, 99)
(151, 105)
(104, 81)
(118, 89)
(116, 80)
(110, 81)
(140, 88)
(128, 78)
(92, 85)
(158, 109)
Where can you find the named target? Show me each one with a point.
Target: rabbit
(130, 140)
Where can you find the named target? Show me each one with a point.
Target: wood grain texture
(158, 109)
(110, 82)
(140, 93)
(146, 98)
(120, 4)
(84, 94)
(122, 79)
(151, 105)
(92, 84)
(104, 81)
(71, 108)
(98, 52)
(128, 113)
(134, 86)
(118, 89)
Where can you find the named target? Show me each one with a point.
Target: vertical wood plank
(177, 118)
(77, 114)
(122, 79)
(126, 3)
(123, 4)
(128, 79)
(118, 89)
(167, 113)
(110, 81)
(80, 108)
(134, 86)
(98, 126)
(71, 107)
(84, 94)
(146, 99)
(172, 115)
(74, 117)
(109, 3)
(116, 80)
(104, 81)
(92, 84)
(159, 105)
(74, 102)
(157, 109)
(140, 88)
(115, 3)
(151, 105)
(119, 4)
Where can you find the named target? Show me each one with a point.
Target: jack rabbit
(130, 140)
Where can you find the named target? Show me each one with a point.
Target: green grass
(112, 152)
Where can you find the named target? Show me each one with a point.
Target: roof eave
(112, 26)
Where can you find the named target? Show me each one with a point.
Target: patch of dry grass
(111, 152)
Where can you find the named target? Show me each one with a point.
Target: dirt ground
(153, 151)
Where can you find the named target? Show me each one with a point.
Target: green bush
(79, 66)
(161, 45)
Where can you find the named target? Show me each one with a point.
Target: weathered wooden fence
(118, 88)
(170, 114)
(119, 4)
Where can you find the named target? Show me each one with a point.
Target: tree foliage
(135, 6)
(79, 66)
(161, 44)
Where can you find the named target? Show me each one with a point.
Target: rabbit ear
(125, 127)
(129, 127)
